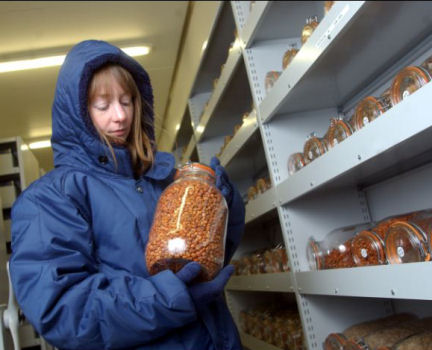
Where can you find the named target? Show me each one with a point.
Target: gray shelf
(404, 281)
(266, 282)
(261, 205)
(353, 45)
(372, 154)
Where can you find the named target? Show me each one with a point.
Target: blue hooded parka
(79, 235)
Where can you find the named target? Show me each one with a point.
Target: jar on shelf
(368, 110)
(419, 341)
(271, 78)
(289, 55)
(335, 341)
(407, 81)
(252, 193)
(308, 29)
(327, 6)
(334, 251)
(368, 246)
(314, 147)
(338, 131)
(258, 264)
(237, 127)
(261, 185)
(296, 161)
(408, 239)
(189, 224)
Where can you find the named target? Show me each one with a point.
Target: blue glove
(189, 272)
(222, 181)
(205, 292)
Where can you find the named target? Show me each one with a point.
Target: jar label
(176, 245)
(365, 120)
(335, 141)
(310, 155)
(364, 253)
(400, 252)
(405, 94)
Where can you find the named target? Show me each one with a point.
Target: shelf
(404, 281)
(266, 282)
(11, 174)
(189, 150)
(376, 152)
(216, 50)
(253, 21)
(253, 343)
(347, 52)
(261, 205)
(240, 140)
(206, 127)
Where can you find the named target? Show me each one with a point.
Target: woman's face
(111, 110)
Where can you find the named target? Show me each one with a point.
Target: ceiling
(28, 28)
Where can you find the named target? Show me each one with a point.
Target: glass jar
(335, 341)
(296, 161)
(327, 6)
(338, 131)
(289, 56)
(314, 147)
(189, 224)
(407, 81)
(334, 251)
(368, 249)
(368, 110)
(271, 78)
(252, 193)
(419, 341)
(408, 239)
(386, 337)
(261, 185)
(308, 29)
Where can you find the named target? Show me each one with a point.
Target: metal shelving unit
(355, 51)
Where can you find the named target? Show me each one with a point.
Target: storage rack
(381, 170)
(18, 168)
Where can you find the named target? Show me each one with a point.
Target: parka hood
(74, 138)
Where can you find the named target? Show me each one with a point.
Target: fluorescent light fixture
(177, 127)
(24, 147)
(200, 129)
(40, 144)
(52, 61)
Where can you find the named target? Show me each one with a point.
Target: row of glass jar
(262, 185)
(396, 332)
(310, 26)
(268, 261)
(400, 239)
(237, 127)
(407, 81)
(281, 328)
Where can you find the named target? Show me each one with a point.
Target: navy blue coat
(79, 235)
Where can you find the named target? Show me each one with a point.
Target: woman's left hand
(222, 181)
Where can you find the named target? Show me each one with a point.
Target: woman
(79, 233)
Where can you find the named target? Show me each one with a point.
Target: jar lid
(339, 130)
(314, 255)
(404, 243)
(368, 249)
(335, 341)
(296, 161)
(366, 111)
(196, 167)
(407, 81)
(314, 147)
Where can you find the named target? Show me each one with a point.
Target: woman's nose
(119, 112)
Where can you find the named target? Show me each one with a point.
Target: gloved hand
(189, 272)
(205, 292)
(222, 181)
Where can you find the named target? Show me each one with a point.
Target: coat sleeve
(69, 301)
(236, 223)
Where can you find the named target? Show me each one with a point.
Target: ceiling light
(40, 144)
(52, 61)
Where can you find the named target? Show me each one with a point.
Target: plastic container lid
(314, 147)
(366, 111)
(296, 161)
(407, 81)
(368, 249)
(405, 243)
(339, 130)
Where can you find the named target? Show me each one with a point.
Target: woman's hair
(140, 146)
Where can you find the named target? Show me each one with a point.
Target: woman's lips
(118, 133)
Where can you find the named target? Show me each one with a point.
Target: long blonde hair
(140, 146)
